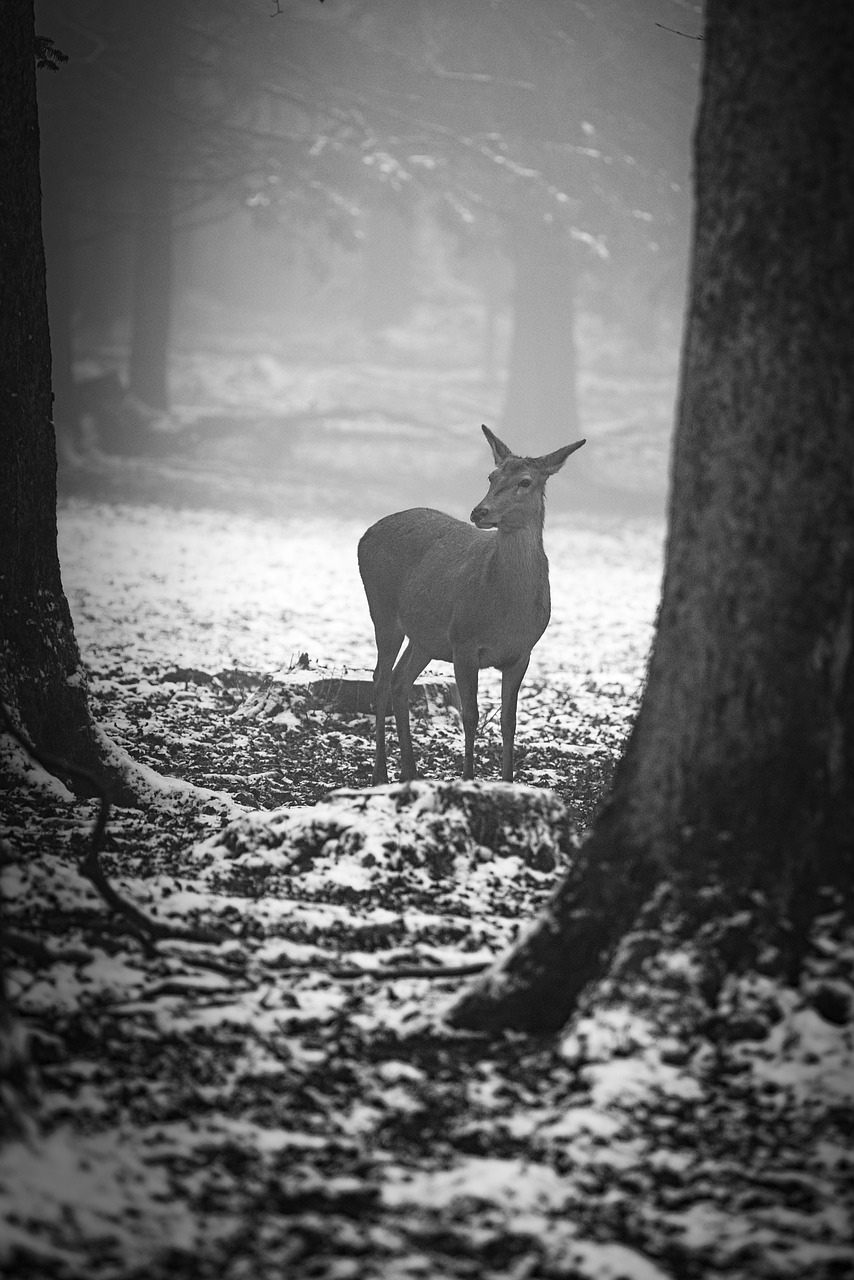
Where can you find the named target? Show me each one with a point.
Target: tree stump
(350, 692)
(446, 827)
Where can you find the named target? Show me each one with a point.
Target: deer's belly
(427, 633)
(504, 648)
(497, 642)
(502, 657)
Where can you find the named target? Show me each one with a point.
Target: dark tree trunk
(739, 774)
(56, 186)
(152, 289)
(41, 677)
(541, 406)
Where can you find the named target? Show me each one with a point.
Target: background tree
(736, 791)
(155, 114)
(538, 122)
(153, 139)
(540, 116)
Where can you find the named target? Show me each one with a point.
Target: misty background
(298, 250)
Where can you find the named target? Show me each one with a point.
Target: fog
(299, 250)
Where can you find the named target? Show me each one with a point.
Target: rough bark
(56, 227)
(41, 677)
(540, 405)
(739, 774)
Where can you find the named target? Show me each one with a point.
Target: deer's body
(459, 594)
(452, 586)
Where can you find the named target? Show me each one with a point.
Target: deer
(477, 597)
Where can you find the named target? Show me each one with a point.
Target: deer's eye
(524, 483)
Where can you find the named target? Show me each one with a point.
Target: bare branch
(677, 32)
(352, 973)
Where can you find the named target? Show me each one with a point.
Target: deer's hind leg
(466, 672)
(389, 641)
(409, 667)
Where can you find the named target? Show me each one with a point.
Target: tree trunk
(152, 288)
(738, 779)
(541, 405)
(41, 677)
(56, 218)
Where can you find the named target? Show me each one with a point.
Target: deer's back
(438, 579)
(415, 546)
(417, 564)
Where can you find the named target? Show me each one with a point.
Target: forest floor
(285, 1099)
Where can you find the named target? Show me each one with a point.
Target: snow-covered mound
(418, 840)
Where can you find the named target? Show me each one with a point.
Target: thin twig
(431, 972)
(349, 973)
(677, 32)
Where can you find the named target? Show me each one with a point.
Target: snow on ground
(213, 590)
(286, 1102)
(151, 588)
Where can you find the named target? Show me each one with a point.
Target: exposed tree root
(90, 864)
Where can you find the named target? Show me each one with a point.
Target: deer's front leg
(511, 679)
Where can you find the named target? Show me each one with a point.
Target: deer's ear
(498, 447)
(552, 462)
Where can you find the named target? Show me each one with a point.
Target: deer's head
(516, 486)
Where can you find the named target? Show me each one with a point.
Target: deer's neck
(521, 559)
